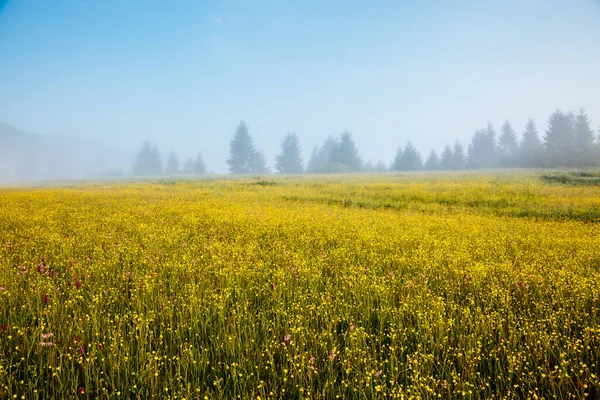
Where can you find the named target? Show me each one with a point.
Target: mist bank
(567, 141)
(26, 157)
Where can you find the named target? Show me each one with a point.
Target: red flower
(4, 328)
(80, 390)
(81, 350)
(78, 285)
(46, 298)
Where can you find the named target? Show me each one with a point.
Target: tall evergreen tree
(477, 156)
(147, 162)
(290, 159)
(172, 167)
(458, 156)
(199, 166)
(312, 165)
(482, 149)
(397, 163)
(344, 157)
(446, 158)
(258, 163)
(408, 159)
(530, 149)
(597, 147)
(508, 146)
(433, 161)
(244, 158)
(319, 158)
(584, 150)
(559, 140)
(380, 167)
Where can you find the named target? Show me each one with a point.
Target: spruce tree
(559, 140)
(344, 157)
(258, 163)
(530, 149)
(458, 156)
(380, 167)
(482, 149)
(290, 159)
(368, 166)
(147, 162)
(408, 159)
(312, 165)
(508, 146)
(397, 163)
(477, 155)
(172, 167)
(319, 158)
(433, 161)
(446, 158)
(584, 151)
(243, 156)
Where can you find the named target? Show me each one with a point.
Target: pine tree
(408, 159)
(446, 158)
(584, 150)
(258, 163)
(344, 157)
(319, 158)
(482, 149)
(530, 149)
(312, 165)
(433, 161)
(476, 157)
(244, 158)
(397, 163)
(368, 167)
(559, 140)
(172, 167)
(507, 146)
(290, 159)
(458, 156)
(380, 167)
(199, 166)
(147, 161)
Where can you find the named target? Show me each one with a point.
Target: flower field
(389, 286)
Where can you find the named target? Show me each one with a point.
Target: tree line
(568, 141)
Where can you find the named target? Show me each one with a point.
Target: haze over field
(183, 74)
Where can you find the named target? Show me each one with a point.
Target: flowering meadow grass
(388, 286)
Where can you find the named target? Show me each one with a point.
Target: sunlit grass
(457, 285)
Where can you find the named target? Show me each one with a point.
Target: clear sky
(182, 73)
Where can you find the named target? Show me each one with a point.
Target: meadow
(456, 285)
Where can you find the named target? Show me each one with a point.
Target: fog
(97, 78)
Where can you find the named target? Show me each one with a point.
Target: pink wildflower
(287, 340)
(332, 354)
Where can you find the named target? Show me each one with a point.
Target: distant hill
(29, 157)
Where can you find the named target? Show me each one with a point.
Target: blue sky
(182, 73)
